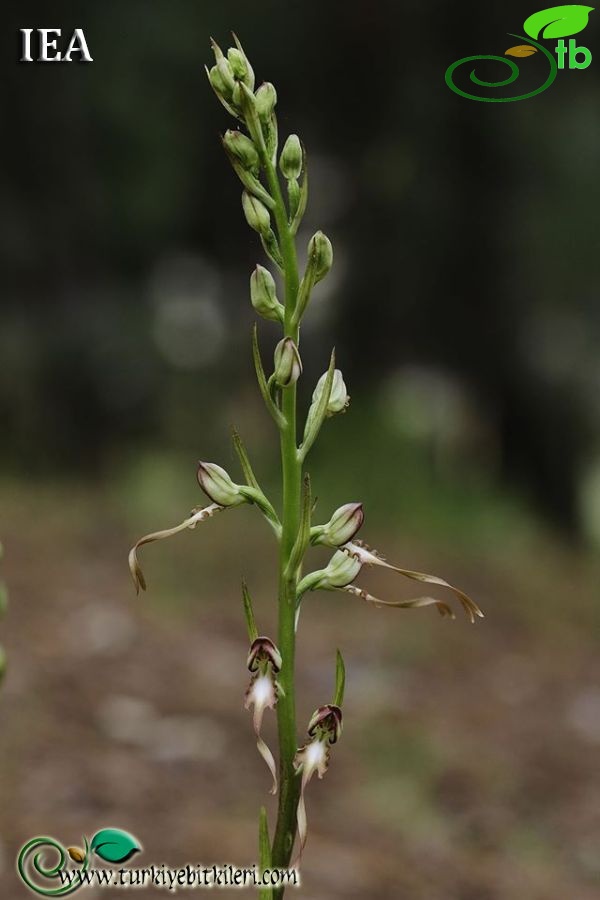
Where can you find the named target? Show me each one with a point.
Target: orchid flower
(224, 493)
(345, 565)
(324, 730)
(264, 661)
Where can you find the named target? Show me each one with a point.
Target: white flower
(325, 728)
(264, 661)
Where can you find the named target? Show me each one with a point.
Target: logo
(110, 845)
(48, 49)
(51, 870)
(557, 22)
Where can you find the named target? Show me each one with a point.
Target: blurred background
(463, 306)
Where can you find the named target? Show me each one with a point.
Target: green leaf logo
(114, 845)
(558, 21)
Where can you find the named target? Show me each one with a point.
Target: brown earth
(468, 768)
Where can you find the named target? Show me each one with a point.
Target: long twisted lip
(134, 566)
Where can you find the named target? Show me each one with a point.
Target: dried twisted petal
(444, 609)
(313, 757)
(369, 557)
(197, 516)
(262, 694)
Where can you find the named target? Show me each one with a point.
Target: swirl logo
(53, 878)
(555, 22)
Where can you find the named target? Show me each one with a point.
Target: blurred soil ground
(468, 767)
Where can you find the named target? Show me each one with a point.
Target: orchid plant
(274, 205)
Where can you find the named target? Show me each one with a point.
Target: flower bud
(266, 98)
(288, 365)
(341, 570)
(263, 296)
(218, 486)
(226, 76)
(290, 161)
(338, 399)
(242, 149)
(257, 214)
(240, 66)
(219, 84)
(343, 525)
(320, 256)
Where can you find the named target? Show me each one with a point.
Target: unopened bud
(257, 214)
(290, 161)
(266, 98)
(218, 486)
(288, 365)
(263, 296)
(341, 571)
(320, 256)
(219, 85)
(240, 66)
(242, 149)
(226, 76)
(338, 399)
(343, 525)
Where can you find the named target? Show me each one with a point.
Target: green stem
(289, 782)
